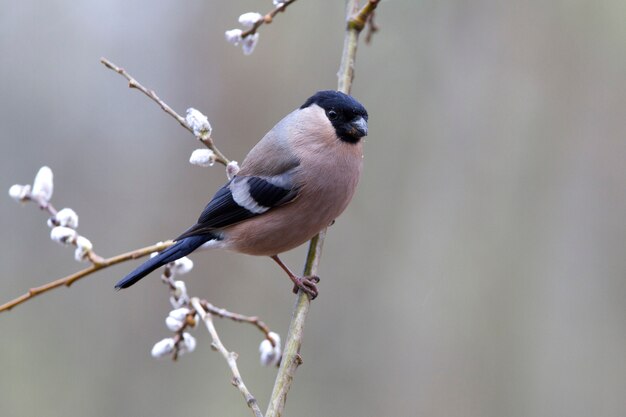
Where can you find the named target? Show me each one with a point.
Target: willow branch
(231, 357)
(43, 204)
(291, 358)
(372, 28)
(97, 261)
(239, 318)
(356, 22)
(133, 83)
(267, 19)
(70, 279)
(360, 19)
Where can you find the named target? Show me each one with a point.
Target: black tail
(181, 248)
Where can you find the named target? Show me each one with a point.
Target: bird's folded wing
(242, 198)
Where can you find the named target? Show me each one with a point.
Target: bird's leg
(306, 284)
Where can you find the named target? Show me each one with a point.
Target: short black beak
(359, 127)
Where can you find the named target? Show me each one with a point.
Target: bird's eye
(332, 115)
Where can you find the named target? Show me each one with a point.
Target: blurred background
(479, 271)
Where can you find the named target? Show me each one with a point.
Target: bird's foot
(307, 284)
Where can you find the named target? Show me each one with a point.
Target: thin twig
(70, 279)
(43, 204)
(231, 357)
(133, 83)
(239, 318)
(360, 19)
(267, 19)
(97, 261)
(291, 355)
(47, 206)
(356, 22)
(372, 28)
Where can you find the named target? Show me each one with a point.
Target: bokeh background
(479, 271)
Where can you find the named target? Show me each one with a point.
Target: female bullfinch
(292, 184)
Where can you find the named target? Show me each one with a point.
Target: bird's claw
(308, 285)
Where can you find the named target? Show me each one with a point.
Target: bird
(292, 184)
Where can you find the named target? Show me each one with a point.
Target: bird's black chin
(349, 138)
(353, 131)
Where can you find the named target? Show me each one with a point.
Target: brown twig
(239, 318)
(222, 313)
(70, 279)
(372, 28)
(360, 19)
(357, 20)
(47, 206)
(133, 83)
(182, 300)
(267, 19)
(43, 205)
(231, 357)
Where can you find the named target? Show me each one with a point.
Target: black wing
(240, 199)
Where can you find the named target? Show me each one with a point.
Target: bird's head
(348, 116)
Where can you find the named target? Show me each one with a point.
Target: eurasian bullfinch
(292, 184)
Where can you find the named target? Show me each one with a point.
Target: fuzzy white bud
(188, 343)
(278, 2)
(202, 158)
(83, 246)
(249, 43)
(233, 36)
(180, 313)
(65, 217)
(181, 289)
(19, 192)
(182, 265)
(43, 184)
(83, 243)
(80, 254)
(180, 297)
(63, 235)
(163, 348)
(198, 123)
(270, 355)
(178, 302)
(232, 169)
(249, 19)
(173, 324)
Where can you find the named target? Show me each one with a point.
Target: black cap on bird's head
(348, 116)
